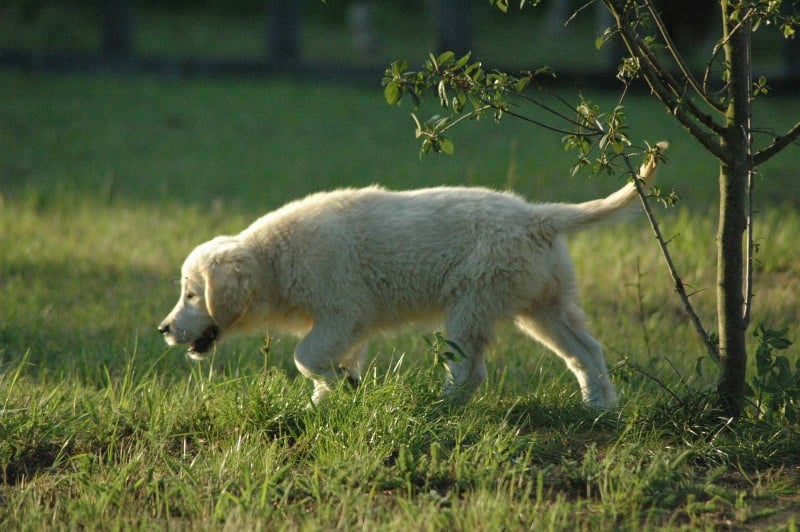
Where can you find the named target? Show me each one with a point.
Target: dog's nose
(163, 328)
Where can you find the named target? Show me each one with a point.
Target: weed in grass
(776, 387)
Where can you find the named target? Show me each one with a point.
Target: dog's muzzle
(205, 341)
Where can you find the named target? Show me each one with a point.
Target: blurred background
(343, 39)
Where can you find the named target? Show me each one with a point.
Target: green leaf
(426, 147)
(442, 92)
(432, 60)
(463, 61)
(445, 58)
(474, 68)
(457, 348)
(418, 131)
(459, 101)
(398, 67)
(598, 43)
(781, 343)
(447, 147)
(521, 84)
(392, 93)
(698, 367)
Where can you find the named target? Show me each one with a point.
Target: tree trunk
(735, 171)
(730, 300)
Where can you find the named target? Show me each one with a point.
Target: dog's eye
(190, 295)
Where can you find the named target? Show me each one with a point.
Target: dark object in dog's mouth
(205, 341)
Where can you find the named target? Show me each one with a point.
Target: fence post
(454, 25)
(118, 31)
(283, 31)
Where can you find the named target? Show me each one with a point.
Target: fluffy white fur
(338, 266)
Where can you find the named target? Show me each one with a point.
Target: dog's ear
(229, 285)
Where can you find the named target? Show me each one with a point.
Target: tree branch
(644, 55)
(666, 88)
(654, 76)
(777, 145)
(646, 52)
(720, 46)
(662, 75)
(682, 66)
(552, 111)
(589, 133)
(679, 286)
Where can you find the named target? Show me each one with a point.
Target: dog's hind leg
(322, 356)
(563, 329)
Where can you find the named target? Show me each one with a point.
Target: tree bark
(735, 170)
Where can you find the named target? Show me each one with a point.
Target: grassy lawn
(106, 184)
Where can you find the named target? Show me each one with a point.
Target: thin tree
(715, 110)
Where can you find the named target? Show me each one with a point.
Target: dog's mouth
(204, 342)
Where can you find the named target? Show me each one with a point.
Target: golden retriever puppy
(337, 267)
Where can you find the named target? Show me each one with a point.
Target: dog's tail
(562, 218)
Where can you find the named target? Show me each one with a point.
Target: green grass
(106, 184)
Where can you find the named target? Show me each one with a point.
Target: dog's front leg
(468, 335)
(320, 356)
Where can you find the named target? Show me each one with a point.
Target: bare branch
(665, 77)
(793, 135)
(713, 351)
(644, 53)
(653, 378)
(682, 66)
(667, 90)
(552, 111)
(578, 11)
(588, 133)
(708, 139)
(460, 119)
(720, 46)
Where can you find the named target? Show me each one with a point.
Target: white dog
(339, 266)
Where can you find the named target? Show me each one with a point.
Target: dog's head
(217, 283)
